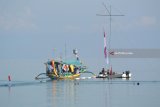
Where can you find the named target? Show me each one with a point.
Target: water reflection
(119, 93)
(101, 93)
(61, 93)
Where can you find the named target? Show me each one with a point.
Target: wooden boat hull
(71, 76)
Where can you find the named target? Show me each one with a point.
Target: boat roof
(73, 62)
(68, 62)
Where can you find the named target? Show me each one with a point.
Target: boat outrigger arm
(41, 74)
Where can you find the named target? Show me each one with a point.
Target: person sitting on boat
(76, 70)
(50, 69)
(127, 73)
(57, 67)
(65, 68)
(103, 71)
(107, 71)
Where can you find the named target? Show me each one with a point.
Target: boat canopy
(73, 62)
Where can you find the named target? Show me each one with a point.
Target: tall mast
(109, 11)
(110, 15)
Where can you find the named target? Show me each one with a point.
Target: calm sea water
(86, 93)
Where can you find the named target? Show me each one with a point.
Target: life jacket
(54, 68)
(72, 68)
(55, 71)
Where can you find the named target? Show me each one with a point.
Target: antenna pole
(110, 26)
(110, 18)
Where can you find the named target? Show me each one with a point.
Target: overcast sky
(40, 29)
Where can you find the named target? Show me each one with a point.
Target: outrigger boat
(64, 69)
(67, 69)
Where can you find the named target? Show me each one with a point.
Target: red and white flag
(105, 49)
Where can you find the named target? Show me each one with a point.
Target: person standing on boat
(103, 71)
(49, 67)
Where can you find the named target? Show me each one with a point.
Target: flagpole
(110, 18)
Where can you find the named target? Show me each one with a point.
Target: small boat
(109, 75)
(107, 53)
